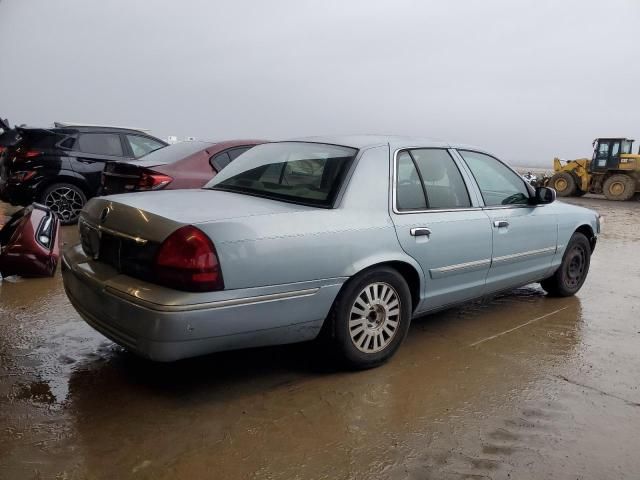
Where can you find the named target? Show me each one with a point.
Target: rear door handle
(500, 223)
(420, 232)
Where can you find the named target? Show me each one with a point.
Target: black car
(61, 167)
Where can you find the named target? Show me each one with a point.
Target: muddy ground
(523, 387)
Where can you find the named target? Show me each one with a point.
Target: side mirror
(545, 195)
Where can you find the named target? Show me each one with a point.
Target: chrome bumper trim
(235, 302)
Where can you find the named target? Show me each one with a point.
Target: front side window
(626, 146)
(142, 145)
(298, 172)
(429, 178)
(498, 184)
(100, 144)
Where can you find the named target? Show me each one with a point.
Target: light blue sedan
(351, 236)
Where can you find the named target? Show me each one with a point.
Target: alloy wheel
(65, 202)
(374, 317)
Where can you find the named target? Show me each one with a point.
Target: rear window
(172, 153)
(298, 172)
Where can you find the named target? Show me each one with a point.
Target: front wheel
(573, 270)
(564, 183)
(65, 200)
(370, 317)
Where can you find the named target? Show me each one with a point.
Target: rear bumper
(171, 332)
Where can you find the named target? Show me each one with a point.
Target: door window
(498, 184)
(219, 161)
(429, 178)
(142, 145)
(409, 191)
(236, 152)
(443, 182)
(100, 144)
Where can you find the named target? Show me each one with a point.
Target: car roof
(394, 141)
(87, 129)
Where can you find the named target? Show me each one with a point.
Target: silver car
(351, 236)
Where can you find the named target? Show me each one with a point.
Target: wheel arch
(65, 177)
(588, 232)
(410, 271)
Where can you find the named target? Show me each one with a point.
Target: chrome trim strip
(115, 233)
(518, 256)
(139, 240)
(235, 302)
(459, 268)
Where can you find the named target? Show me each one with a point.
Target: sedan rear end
(182, 165)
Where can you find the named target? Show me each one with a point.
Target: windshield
(306, 173)
(627, 145)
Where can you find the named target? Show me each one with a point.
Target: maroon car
(182, 165)
(29, 243)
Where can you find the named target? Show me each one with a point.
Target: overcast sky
(528, 80)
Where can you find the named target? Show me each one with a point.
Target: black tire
(65, 200)
(385, 338)
(573, 270)
(619, 187)
(564, 183)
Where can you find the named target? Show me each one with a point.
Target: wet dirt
(522, 386)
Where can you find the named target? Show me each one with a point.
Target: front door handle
(420, 232)
(500, 223)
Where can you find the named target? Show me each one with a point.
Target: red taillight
(150, 180)
(187, 260)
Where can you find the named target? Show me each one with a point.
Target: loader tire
(619, 187)
(564, 184)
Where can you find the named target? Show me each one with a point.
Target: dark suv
(61, 167)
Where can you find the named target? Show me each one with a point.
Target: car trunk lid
(125, 231)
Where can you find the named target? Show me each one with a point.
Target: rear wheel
(573, 270)
(619, 187)
(65, 200)
(564, 183)
(370, 317)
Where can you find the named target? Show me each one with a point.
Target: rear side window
(142, 145)
(100, 144)
(498, 184)
(68, 143)
(236, 152)
(429, 178)
(220, 161)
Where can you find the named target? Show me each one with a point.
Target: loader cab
(607, 151)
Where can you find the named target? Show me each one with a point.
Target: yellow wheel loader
(613, 171)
